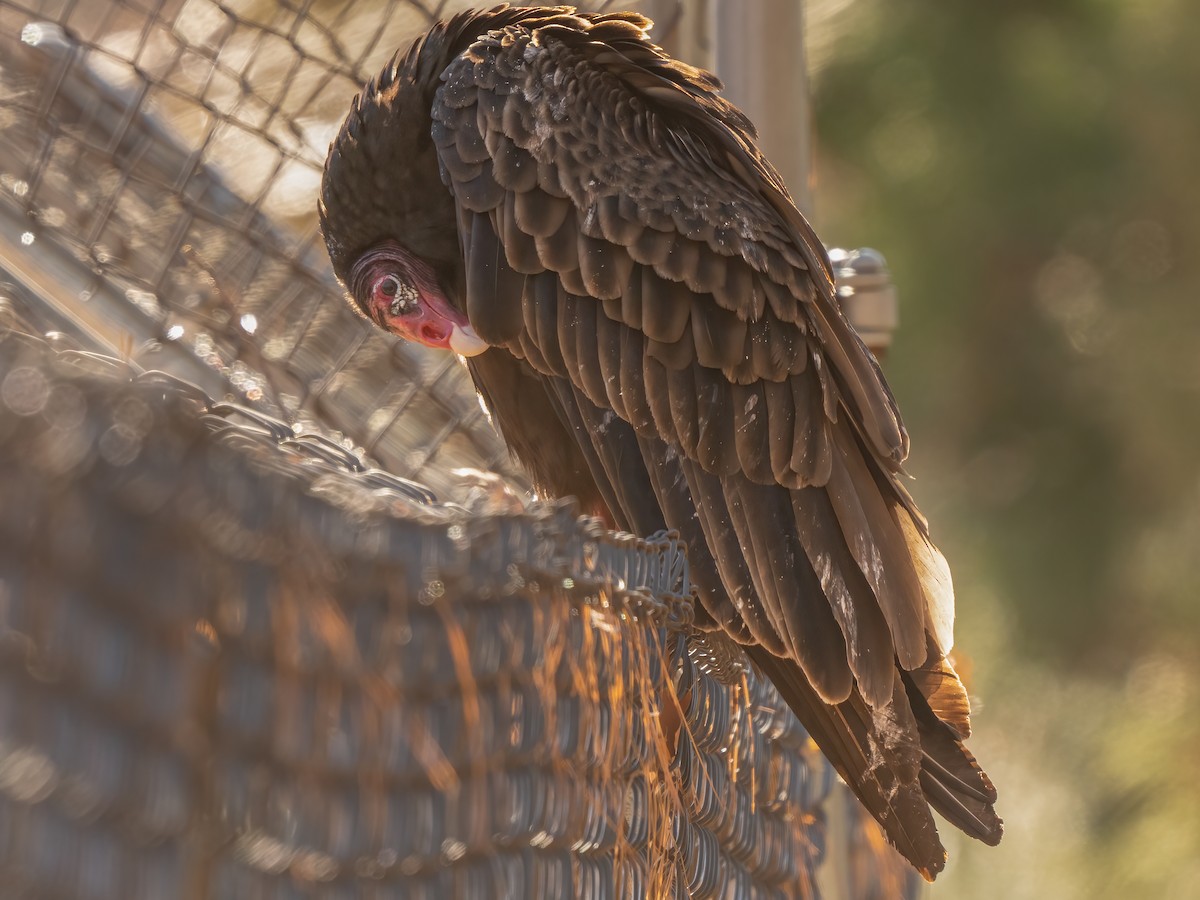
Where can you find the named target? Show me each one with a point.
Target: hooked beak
(400, 293)
(435, 323)
(465, 342)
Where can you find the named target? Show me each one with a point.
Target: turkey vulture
(652, 325)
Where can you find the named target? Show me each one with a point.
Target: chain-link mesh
(232, 666)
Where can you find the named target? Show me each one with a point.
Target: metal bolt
(867, 295)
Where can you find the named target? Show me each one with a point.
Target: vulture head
(389, 224)
(399, 291)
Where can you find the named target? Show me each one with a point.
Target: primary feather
(666, 345)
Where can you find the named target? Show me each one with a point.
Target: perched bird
(652, 325)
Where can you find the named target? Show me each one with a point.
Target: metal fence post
(759, 52)
(757, 47)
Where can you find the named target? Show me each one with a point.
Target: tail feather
(953, 781)
(898, 760)
(876, 755)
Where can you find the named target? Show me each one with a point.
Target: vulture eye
(397, 295)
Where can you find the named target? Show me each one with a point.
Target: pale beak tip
(465, 342)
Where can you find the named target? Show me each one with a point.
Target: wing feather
(614, 225)
(543, 297)
(608, 355)
(679, 509)
(880, 549)
(494, 290)
(679, 264)
(740, 610)
(812, 447)
(866, 631)
(658, 397)
(681, 389)
(633, 384)
(480, 193)
(585, 313)
(605, 268)
(651, 246)
(666, 308)
(741, 290)
(716, 449)
(718, 334)
(539, 214)
(751, 431)
(631, 301)
(789, 587)
(512, 167)
(519, 246)
(781, 416)
(559, 251)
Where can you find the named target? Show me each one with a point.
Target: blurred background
(1029, 170)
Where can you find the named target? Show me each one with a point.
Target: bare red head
(400, 293)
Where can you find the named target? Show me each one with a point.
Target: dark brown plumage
(665, 345)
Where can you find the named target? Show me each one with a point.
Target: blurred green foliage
(1032, 173)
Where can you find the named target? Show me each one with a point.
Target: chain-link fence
(233, 666)
(159, 163)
